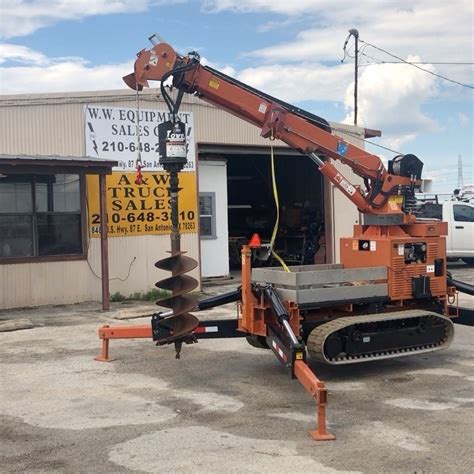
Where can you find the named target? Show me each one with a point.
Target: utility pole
(355, 33)
(460, 178)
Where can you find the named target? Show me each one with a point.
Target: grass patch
(117, 297)
(152, 295)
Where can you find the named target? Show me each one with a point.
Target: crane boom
(388, 194)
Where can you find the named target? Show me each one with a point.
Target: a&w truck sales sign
(111, 133)
(137, 209)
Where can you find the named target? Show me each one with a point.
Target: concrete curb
(15, 325)
(136, 312)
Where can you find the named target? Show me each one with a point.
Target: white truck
(460, 218)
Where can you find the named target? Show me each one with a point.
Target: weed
(117, 297)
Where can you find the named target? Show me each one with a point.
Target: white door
(463, 230)
(214, 232)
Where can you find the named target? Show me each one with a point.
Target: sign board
(117, 133)
(143, 209)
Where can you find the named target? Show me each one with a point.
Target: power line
(418, 67)
(427, 62)
(416, 62)
(356, 135)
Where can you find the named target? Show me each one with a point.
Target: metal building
(45, 259)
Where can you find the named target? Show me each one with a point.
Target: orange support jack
(120, 332)
(317, 389)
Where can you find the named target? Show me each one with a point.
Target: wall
(215, 251)
(341, 212)
(31, 284)
(53, 124)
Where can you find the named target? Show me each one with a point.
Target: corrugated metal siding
(46, 283)
(344, 214)
(39, 127)
(53, 124)
(30, 284)
(42, 130)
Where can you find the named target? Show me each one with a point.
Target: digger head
(151, 64)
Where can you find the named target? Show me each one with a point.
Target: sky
(291, 49)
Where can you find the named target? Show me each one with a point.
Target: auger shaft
(178, 326)
(174, 204)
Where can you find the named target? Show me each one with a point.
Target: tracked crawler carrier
(347, 317)
(388, 297)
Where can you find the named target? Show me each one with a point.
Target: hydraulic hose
(219, 300)
(462, 286)
(280, 311)
(277, 206)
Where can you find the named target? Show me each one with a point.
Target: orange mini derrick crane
(388, 297)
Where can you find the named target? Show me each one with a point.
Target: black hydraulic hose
(277, 304)
(219, 300)
(173, 106)
(462, 286)
(280, 311)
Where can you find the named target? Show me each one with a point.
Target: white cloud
(390, 99)
(299, 82)
(463, 119)
(278, 6)
(23, 17)
(56, 75)
(433, 30)
(229, 70)
(446, 179)
(25, 55)
(22, 54)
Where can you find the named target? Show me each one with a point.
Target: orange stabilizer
(120, 332)
(317, 389)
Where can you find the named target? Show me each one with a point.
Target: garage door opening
(251, 207)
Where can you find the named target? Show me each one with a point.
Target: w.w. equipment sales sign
(137, 209)
(117, 133)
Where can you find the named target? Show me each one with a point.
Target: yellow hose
(277, 221)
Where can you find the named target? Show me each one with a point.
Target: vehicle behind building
(460, 218)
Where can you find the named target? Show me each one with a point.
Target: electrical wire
(277, 207)
(416, 62)
(88, 246)
(356, 135)
(415, 65)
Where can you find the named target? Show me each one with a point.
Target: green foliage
(152, 295)
(117, 297)
(155, 294)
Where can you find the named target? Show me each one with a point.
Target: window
(463, 213)
(207, 215)
(40, 216)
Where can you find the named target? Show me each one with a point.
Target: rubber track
(318, 335)
(257, 341)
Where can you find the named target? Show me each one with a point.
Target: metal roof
(49, 163)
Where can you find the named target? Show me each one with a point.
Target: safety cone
(255, 241)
